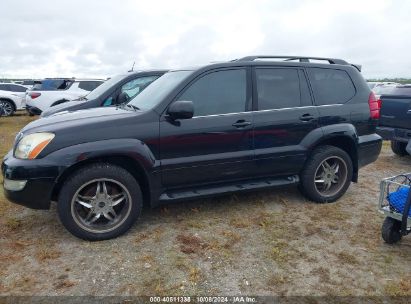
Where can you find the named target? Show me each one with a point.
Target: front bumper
(369, 148)
(40, 176)
(402, 135)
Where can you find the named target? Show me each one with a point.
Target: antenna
(132, 68)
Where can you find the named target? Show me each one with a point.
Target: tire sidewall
(92, 172)
(307, 177)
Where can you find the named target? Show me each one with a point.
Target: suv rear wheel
(399, 148)
(326, 175)
(99, 202)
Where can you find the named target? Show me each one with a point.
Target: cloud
(95, 38)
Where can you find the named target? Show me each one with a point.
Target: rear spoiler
(357, 66)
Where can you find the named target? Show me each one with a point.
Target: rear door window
(278, 88)
(331, 86)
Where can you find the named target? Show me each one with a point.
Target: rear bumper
(33, 110)
(402, 135)
(369, 148)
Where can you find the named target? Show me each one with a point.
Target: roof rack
(300, 59)
(292, 58)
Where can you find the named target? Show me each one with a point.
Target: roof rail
(292, 58)
(300, 59)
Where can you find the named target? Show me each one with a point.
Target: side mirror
(181, 109)
(122, 98)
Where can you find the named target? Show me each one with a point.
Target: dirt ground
(263, 243)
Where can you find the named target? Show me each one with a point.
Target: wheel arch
(126, 162)
(345, 143)
(11, 101)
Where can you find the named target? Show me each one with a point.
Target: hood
(78, 119)
(65, 106)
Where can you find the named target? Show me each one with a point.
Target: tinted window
(52, 85)
(331, 86)
(278, 88)
(218, 93)
(16, 88)
(89, 85)
(4, 87)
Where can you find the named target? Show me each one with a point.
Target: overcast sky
(99, 38)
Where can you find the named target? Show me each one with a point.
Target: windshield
(104, 87)
(159, 89)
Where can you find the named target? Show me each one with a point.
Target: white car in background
(12, 98)
(53, 91)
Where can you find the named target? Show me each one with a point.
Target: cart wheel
(391, 230)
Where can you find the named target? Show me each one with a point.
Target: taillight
(375, 106)
(34, 95)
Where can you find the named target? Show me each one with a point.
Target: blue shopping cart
(395, 203)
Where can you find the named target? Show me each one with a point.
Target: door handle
(306, 117)
(241, 124)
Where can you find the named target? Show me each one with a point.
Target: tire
(7, 108)
(93, 195)
(399, 148)
(327, 174)
(391, 230)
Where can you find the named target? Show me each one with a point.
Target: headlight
(31, 145)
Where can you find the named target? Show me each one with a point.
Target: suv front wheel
(326, 175)
(99, 202)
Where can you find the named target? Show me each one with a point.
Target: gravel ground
(263, 243)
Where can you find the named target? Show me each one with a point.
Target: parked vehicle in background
(12, 98)
(375, 84)
(115, 91)
(28, 83)
(234, 126)
(53, 91)
(384, 89)
(395, 121)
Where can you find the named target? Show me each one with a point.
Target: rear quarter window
(331, 86)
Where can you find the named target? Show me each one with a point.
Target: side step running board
(249, 185)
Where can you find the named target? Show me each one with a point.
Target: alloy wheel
(101, 205)
(330, 176)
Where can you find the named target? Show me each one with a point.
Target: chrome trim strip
(269, 110)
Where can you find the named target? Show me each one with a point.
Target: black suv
(115, 91)
(248, 124)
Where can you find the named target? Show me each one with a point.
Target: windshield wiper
(132, 106)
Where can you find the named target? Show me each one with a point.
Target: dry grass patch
(47, 253)
(240, 222)
(399, 288)
(64, 284)
(347, 258)
(277, 279)
(190, 243)
(13, 224)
